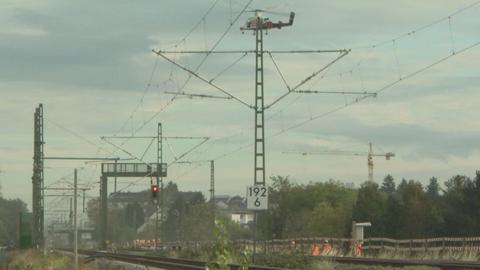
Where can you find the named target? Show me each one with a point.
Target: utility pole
(75, 228)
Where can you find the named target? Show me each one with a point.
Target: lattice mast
(258, 24)
(37, 180)
(159, 179)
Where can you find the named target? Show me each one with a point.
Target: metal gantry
(158, 176)
(122, 170)
(37, 180)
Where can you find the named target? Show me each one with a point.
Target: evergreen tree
(388, 184)
(433, 188)
(370, 207)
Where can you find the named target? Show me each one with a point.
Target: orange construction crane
(370, 154)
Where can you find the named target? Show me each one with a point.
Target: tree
(433, 188)
(188, 218)
(414, 215)
(456, 206)
(325, 221)
(388, 184)
(9, 215)
(134, 215)
(370, 207)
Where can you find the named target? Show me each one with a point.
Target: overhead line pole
(162, 192)
(212, 192)
(257, 24)
(37, 181)
(75, 228)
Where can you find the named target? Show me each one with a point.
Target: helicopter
(258, 22)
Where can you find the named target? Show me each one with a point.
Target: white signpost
(257, 198)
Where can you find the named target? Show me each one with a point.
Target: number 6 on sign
(257, 197)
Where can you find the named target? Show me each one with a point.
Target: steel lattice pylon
(259, 160)
(37, 180)
(162, 192)
(257, 24)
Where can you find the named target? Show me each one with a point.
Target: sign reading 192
(257, 197)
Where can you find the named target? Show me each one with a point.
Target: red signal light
(154, 190)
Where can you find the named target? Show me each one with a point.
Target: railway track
(442, 264)
(166, 262)
(186, 264)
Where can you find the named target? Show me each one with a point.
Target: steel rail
(186, 264)
(442, 264)
(162, 262)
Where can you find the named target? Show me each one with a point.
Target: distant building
(349, 185)
(235, 208)
(122, 199)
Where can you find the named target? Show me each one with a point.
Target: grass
(34, 260)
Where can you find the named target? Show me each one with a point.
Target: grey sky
(89, 63)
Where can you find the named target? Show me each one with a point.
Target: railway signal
(154, 189)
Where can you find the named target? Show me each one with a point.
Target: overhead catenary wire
(71, 132)
(130, 118)
(193, 73)
(385, 87)
(279, 71)
(201, 63)
(415, 31)
(202, 19)
(190, 95)
(145, 91)
(308, 78)
(176, 159)
(419, 29)
(355, 101)
(362, 87)
(228, 67)
(248, 51)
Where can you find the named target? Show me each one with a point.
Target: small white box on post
(357, 230)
